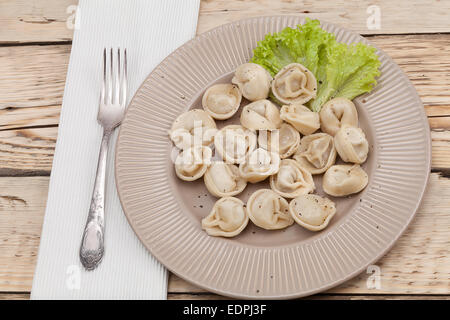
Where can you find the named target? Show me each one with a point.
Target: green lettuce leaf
(350, 71)
(301, 45)
(340, 70)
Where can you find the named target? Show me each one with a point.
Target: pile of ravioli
(283, 145)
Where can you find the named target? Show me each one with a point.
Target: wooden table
(34, 52)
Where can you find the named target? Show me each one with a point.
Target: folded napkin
(150, 30)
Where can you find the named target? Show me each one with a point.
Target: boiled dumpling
(222, 100)
(259, 165)
(223, 180)
(294, 84)
(292, 180)
(234, 143)
(342, 180)
(194, 123)
(316, 152)
(261, 115)
(351, 144)
(228, 218)
(253, 80)
(337, 112)
(284, 141)
(301, 118)
(192, 163)
(311, 211)
(268, 210)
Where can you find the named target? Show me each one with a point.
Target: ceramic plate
(166, 212)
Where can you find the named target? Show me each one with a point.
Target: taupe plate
(165, 212)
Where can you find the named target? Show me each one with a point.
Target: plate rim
(329, 285)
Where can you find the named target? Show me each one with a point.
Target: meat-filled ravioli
(222, 100)
(292, 180)
(253, 80)
(351, 144)
(192, 163)
(311, 211)
(336, 113)
(301, 118)
(261, 115)
(284, 141)
(234, 143)
(294, 84)
(227, 218)
(195, 123)
(259, 165)
(223, 180)
(343, 180)
(269, 210)
(316, 152)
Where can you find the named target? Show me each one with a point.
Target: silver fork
(111, 111)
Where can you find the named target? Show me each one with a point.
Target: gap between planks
(52, 20)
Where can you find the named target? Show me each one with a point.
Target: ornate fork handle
(112, 107)
(92, 244)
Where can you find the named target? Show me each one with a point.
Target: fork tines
(114, 85)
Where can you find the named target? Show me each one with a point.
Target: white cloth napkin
(150, 30)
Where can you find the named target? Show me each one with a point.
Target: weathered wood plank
(401, 16)
(421, 58)
(46, 20)
(419, 263)
(440, 148)
(14, 296)
(439, 123)
(22, 206)
(17, 118)
(27, 151)
(32, 76)
(35, 21)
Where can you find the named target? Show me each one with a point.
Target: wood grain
(419, 263)
(440, 148)
(439, 123)
(400, 16)
(22, 206)
(32, 76)
(35, 21)
(46, 20)
(14, 296)
(426, 61)
(27, 151)
(18, 118)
